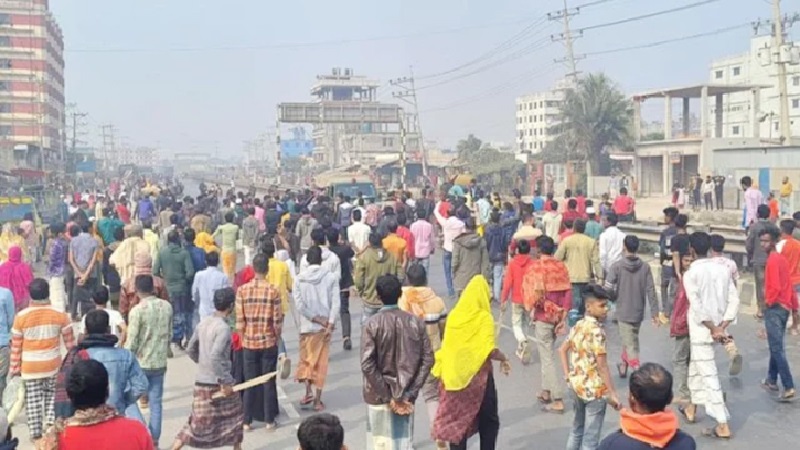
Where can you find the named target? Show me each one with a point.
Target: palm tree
(596, 116)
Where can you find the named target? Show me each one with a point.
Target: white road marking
(287, 405)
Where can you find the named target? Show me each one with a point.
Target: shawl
(16, 276)
(468, 337)
(544, 275)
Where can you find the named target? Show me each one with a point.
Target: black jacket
(620, 441)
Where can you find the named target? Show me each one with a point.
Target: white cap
(591, 210)
(238, 201)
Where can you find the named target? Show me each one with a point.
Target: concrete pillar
(755, 113)
(718, 116)
(666, 174)
(667, 117)
(704, 112)
(687, 121)
(637, 120)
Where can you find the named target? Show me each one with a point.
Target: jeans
(587, 424)
(426, 263)
(5, 363)
(448, 272)
(257, 363)
(775, 320)
(497, 280)
(707, 199)
(577, 298)
(367, 312)
(155, 398)
(488, 420)
(720, 199)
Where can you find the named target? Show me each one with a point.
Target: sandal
(319, 407)
(551, 410)
(771, 387)
(787, 396)
(622, 369)
(682, 410)
(545, 400)
(307, 400)
(759, 316)
(712, 433)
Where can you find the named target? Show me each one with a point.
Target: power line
(588, 4)
(669, 41)
(296, 44)
(503, 46)
(647, 16)
(538, 45)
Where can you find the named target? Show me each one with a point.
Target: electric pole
(408, 94)
(75, 124)
(781, 59)
(109, 145)
(566, 36)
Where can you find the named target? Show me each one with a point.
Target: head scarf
(468, 337)
(16, 276)
(142, 264)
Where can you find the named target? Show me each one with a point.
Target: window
(5, 63)
(5, 41)
(795, 103)
(5, 19)
(530, 105)
(3, 85)
(530, 119)
(5, 130)
(737, 71)
(735, 130)
(534, 118)
(718, 74)
(795, 81)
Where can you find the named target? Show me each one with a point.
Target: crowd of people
(124, 290)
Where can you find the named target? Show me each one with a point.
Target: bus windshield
(352, 189)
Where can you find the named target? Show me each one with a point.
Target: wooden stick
(253, 382)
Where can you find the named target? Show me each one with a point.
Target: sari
(16, 275)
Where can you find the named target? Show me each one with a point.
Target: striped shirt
(259, 316)
(36, 341)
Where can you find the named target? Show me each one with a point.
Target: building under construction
(350, 125)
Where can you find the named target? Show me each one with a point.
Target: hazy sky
(184, 74)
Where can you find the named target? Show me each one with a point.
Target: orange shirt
(791, 251)
(773, 209)
(395, 245)
(36, 338)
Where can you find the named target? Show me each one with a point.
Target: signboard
(339, 112)
(86, 166)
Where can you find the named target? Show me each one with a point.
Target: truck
(348, 184)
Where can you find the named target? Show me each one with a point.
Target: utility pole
(278, 145)
(408, 94)
(403, 149)
(76, 122)
(109, 145)
(566, 36)
(782, 61)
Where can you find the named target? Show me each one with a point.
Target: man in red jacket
(512, 284)
(781, 301)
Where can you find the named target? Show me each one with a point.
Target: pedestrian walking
(713, 306)
(468, 396)
(316, 298)
(470, 257)
(345, 254)
(584, 358)
(128, 297)
(83, 250)
(781, 302)
(250, 232)
(547, 294)
(36, 338)
(757, 256)
(630, 282)
(396, 358)
(512, 286)
(56, 266)
(259, 322)
(452, 227)
(175, 266)
(214, 422)
(422, 231)
(16, 275)
(229, 234)
(580, 254)
(149, 334)
(123, 258)
(206, 283)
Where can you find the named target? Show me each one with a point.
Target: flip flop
(549, 409)
(712, 433)
(319, 407)
(769, 386)
(622, 369)
(307, 400)
(685, 415)
(542, 399)
(787, 396)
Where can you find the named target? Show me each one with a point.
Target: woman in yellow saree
(464, 366)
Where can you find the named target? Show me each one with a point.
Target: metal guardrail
(734, 237)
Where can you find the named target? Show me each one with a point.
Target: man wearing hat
(593, 227)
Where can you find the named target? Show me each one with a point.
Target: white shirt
(552, 224)
(452, 227)
(358, 235)
(712, 297)
(611, 242)
(708, 187)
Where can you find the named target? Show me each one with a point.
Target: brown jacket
(128, 297)
(396, 357)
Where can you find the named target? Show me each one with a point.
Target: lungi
(703, 379)
(213, 422)
(229, 263)
(387, 430)
(313, 365)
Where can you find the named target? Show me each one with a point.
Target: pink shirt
(259, 215)
(423, 238)
(752, 198)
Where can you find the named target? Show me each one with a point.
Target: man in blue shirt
(538, 201)
(198, 256)
(6, 321)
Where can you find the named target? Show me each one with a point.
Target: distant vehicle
(352, 188)
(14, 208)
(48, 202)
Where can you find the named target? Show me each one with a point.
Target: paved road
(757, 420)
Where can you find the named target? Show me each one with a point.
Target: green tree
(486, 163)
(596, 117)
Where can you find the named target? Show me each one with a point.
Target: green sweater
(174, 265)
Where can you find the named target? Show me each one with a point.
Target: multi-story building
(756, 67)
(32, 116)
(536, 114)
(355, 141)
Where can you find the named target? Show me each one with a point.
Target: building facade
(756, 67)
(32, 114)
(536, 114)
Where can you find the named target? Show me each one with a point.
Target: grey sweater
(630, 280)
(210, 348)
(755, 253)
